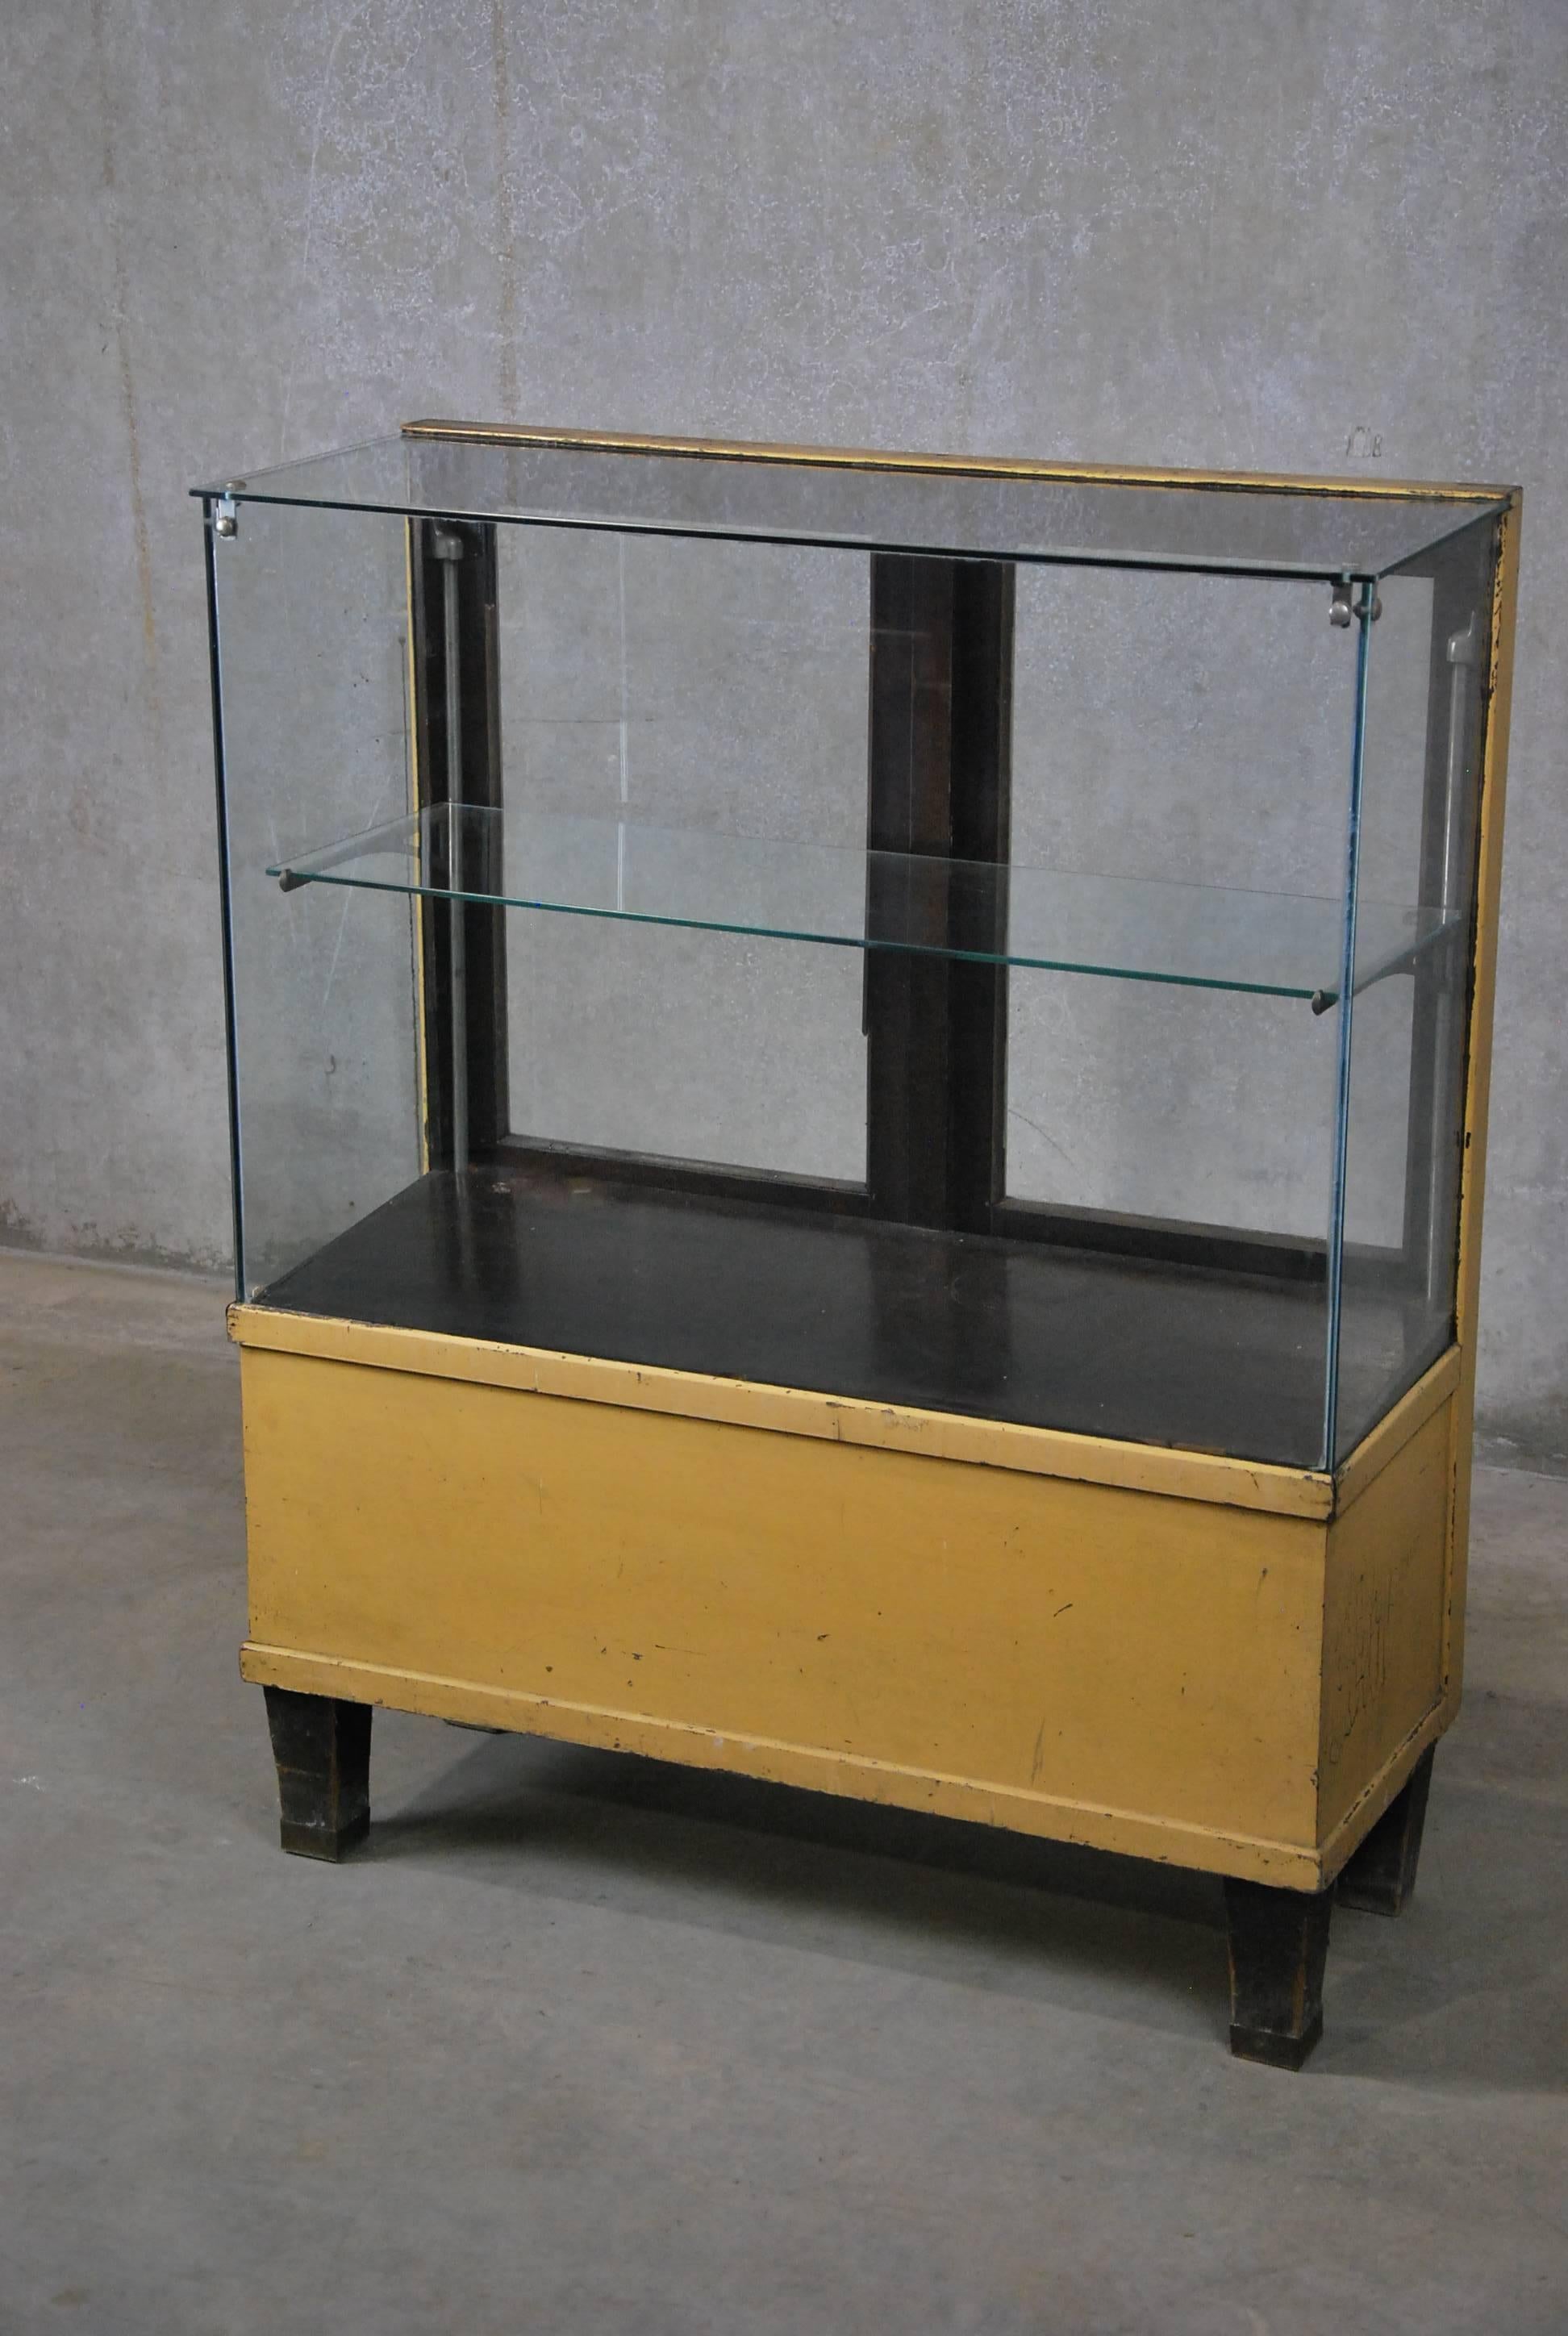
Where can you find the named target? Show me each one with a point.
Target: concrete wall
(1288, 236)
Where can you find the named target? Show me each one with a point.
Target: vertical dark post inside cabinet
(452, 579)
(940, 738)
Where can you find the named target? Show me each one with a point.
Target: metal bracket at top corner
(1343, 606)
(226, 512)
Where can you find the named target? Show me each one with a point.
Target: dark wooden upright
(1381, 1875)
(322, 1750)
(479, 782)
(940, 728)
(1278, 1951)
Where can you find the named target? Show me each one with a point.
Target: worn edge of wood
(979, 466)
(1367, 1462)
(853, 1420)
(1128, 1833)
(1478, 1084)
(416, 796)
(1339, 1845)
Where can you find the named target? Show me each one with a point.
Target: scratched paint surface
(1302, 238)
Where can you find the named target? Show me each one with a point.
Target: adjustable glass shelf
(1197, 936)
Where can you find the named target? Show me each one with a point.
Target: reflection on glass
(663, 682)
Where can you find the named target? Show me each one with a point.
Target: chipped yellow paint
(1364, 1465)
(1127, 1832)
(1385, 1568)
(1479, 1084)
(1084, 1661)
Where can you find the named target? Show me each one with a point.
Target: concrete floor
(587, 2045)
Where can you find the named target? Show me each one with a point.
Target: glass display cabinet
(858, 1097)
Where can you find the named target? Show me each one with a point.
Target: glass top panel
(1231, 526)
(1202, 936)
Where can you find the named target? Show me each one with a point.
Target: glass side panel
(1202, 936)
(312, 615)
(1428, 650)
(1313, 532)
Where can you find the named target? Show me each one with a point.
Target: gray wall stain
(1197, 235)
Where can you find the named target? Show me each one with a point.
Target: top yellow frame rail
(975, 466)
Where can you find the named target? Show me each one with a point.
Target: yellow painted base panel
(1088, 1661)
(1364, 1811)
(1385, 1585)
(1124, 1831)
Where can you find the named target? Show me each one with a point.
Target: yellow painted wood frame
(1165, 1653)
(1478, 1062)
(982, 466)
(1170, 1654)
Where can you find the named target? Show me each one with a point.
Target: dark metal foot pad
(316, 1841)
(1381, 1875)
(1275, 2051)
(322, 1750)
(1278, 1951)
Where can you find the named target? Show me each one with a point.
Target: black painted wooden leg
(322, 1748)
(1279, 1947)
(1381, 1876)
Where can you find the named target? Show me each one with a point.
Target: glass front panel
(1424, 702)
(912, 978)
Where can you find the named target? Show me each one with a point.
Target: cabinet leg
(1381, 1876)
(1279, 1947)
(322, 1748)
